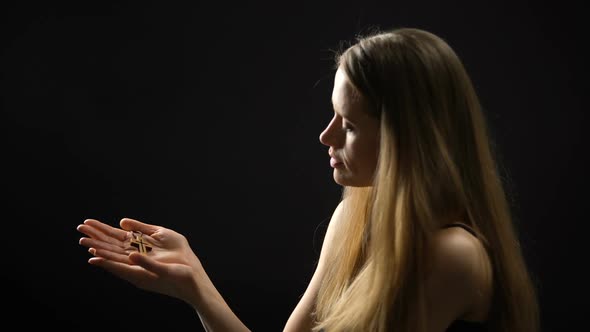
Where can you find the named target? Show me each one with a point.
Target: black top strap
(462, 225)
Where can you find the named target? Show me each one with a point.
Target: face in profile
(352, 135)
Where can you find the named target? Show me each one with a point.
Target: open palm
(168, 268)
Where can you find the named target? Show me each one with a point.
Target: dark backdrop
(205, 119)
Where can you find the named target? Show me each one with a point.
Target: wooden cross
(138, 242)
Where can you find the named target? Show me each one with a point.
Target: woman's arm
(459, 279)
(301, 318)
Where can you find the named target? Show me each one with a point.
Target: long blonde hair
(436, 164)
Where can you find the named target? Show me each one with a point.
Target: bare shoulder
(329, 237)
(458, 283)
(456, 252)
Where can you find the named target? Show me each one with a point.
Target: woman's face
(352, 136)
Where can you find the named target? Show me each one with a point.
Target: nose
(328, 137)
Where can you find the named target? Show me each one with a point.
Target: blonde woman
(422, 240)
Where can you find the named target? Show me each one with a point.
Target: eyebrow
(347, 118)
(334, 108)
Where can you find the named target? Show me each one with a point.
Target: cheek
(370, 157)
(362, 156)
(370, 161)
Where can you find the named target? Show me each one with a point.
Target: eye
(347, 127)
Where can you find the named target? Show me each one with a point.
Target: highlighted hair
(436, 165)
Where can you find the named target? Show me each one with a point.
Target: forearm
(214, 312)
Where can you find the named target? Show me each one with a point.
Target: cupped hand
(169, 268)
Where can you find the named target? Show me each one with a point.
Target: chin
(351, 181)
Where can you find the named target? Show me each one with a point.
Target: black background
(205, 118)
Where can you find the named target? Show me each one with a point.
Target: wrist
(202, 291)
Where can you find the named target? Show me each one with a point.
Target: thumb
(129, 224)
(148, 263)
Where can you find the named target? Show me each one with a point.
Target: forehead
(345, 97)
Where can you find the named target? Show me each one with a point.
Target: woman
(422, 239)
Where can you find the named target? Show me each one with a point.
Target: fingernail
(92, 251)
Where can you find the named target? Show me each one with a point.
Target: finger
(111, 231)
(113, 256)
(98, 235)
(94, 243)
(136, 225)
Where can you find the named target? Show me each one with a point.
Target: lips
(335, 162)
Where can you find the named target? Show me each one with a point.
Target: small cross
(137, 242)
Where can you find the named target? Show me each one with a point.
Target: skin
(352, 135)
(172, 268)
